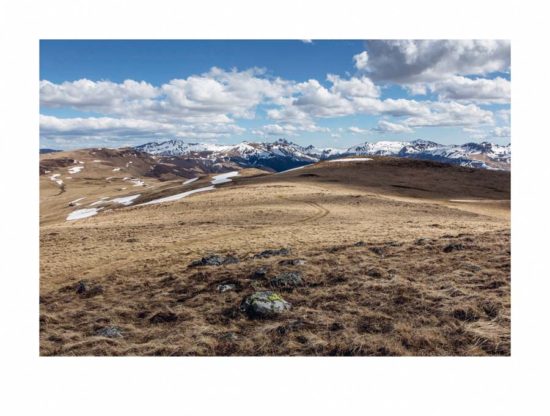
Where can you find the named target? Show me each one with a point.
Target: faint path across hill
(320, 212)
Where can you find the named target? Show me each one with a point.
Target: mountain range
(282, 154)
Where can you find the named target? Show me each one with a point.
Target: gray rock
(264, 304)
(292, 262)
(88, 290)
(453, 247)
(214, 260)
(287, 280)
(260, 273)
(110, 332)
(225, 287)
(374, 272)
(378, 250)
(269, 253)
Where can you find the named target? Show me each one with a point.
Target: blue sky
(326, 93)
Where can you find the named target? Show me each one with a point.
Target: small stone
(292, 262)
(229, 336)
(225, 287)
(287, 280)
(453, 247)
(88, 290)
(214, 260)
(269, 253)
(110, 332)
(264, 304)
(422, 241)
(377, 250)
(260, 273)
(374, 273)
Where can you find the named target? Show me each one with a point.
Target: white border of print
(138, 386)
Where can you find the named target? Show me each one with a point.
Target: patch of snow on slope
(75, 169)
(75, 202)
(188, 181)
(352, 159)
(116, 169)
(125, 200)
(56, 180)
(82, 213)
(177, 196)
(290, 170)
(224, 177)
(102, 199)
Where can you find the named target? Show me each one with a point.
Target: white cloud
(385, 126)
(501, 132)
(451, 114)
(214, 97)
(479, 90)
(288, 129)
(413, 61)
(114, 129)
(306, 41)
(353, 87)
(361, 60)
(89, 95)
(357, 130)
(504, 116)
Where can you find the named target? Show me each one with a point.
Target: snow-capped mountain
(282, 154)
(477, 155)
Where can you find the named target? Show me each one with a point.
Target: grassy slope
(390, 295)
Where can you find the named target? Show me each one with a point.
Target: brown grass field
(399, 257)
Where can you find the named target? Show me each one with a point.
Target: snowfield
(352, 159)
(224, 177)
(125, 200)
(82, 213)
(188, 181)
(75, 169)
(177, 196)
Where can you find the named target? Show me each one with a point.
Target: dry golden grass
(377, 280)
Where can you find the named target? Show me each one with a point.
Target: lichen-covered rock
(265, 304)
(287, 280)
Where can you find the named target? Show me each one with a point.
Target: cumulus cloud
(501, 132)
(385, 126)
(216, 96)
(413, 61)
(288, 129)
(353, 87)
(357, 130)
(206, 106)
(361, 60)
(95, 96)
(447, 114)
(115, 129)
(480, 90)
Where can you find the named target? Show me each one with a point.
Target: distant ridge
(283, 154)
(43, 151)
